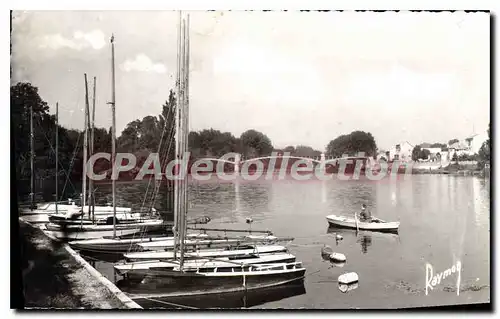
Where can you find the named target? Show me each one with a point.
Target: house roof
(405, 143)
(459, 146)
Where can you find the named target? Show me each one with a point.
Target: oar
(356, 220)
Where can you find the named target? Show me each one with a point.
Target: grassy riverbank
(52, 278)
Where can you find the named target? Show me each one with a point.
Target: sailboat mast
(91, 181)
(57, 157)
(177, 138)
(185, 121)
(89, 153)
(186, 118)
(32, 159)
(113, 132)
(182, 202)
(85, 145)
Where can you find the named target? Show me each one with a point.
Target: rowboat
(376, 224)
(211, 253)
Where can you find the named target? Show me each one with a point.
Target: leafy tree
(467, 157)
(130, 137)
(23, 97)
(425, 153)
(254, 143)
(290, 149)
(167, 125)
(351, 144)
(152, 133)
(415, 154)
(306, 151)
(455, 157)
(212, 143)
(484, 154)
(453, 141)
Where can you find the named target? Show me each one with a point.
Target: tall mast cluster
(182, 132)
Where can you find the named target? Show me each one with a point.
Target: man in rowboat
(365, 215)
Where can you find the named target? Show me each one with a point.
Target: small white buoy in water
(339, 237)
(337, 257)
(348, 278)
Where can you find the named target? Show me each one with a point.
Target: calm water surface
(444, 219)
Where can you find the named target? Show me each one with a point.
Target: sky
(299, 77)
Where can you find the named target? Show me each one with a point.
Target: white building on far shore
(401, 152)
(475, 141)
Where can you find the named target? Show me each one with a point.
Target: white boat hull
(90, 235)
(212, 253)
(117, 245)
(142, 268)
(42, 213)
(75, 232)
(36, 218)
(348, 222)
(175, 283)
(169, 244)
(49, 208)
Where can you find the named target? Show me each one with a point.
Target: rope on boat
(170, 303)
(156, 187)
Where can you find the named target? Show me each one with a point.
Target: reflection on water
(346, 288)
(363, 237)
(366, 241)
(228, 300)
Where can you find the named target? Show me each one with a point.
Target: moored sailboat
(239, 250)
(92, 231)
(181, 275)
(212, 241)
(67, 228)
(142, 269)
(226, 278)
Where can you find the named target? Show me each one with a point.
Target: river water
(444, 220)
